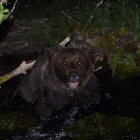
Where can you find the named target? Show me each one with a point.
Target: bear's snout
(73, 80)
(73, 76)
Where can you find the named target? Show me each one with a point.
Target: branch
(70, 17)
(6, 16)
(24, 66)
(94, 11)
(89, 20)
(97, 69)
(20, 70)
(64, 42)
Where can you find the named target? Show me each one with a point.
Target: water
(118, 98)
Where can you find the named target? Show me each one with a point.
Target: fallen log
(24, 66)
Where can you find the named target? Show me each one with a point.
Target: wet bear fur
(48, 85)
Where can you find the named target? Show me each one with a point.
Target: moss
(25, 32)
(132, 47)
(69, 30)
(106, 44)
(125, 71)
(89, 31)
(100, 126)
(3, 78)
(16, 122)
(138, 52)
(124, 66)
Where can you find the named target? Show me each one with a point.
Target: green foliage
(138, 53)
(124, 66)
(3, 11)
(106, 44)
(70, 30)
(61, 23)
(122, 30)
(120, 58)
(112, 14)
(100, 126)
(136, 23)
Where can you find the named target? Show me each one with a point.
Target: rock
(13, 123)
(104, 127)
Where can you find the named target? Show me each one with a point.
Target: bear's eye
(65, 64)
(78, 63)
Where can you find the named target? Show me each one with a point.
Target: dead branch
(89, 20)
(97, 69)
(20, 70)
(94, 11)
(24, 66)
(64, 42)
(70, 17)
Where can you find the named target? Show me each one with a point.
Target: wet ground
(118, 98)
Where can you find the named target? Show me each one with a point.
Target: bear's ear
(89, 52)
(49, 52)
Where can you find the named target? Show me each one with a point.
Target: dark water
(118, 98)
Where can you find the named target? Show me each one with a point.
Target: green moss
(89, 31)
(138, 52)
(67, 32)
(16, 122)
(132, 47)
(3, 78)
(25, 32)
(124, 66)
(106, 44)
(100, 126)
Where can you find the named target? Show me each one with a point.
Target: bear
(60, 77)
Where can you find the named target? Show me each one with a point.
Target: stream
(120, 101)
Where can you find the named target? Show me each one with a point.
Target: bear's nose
(73, 76)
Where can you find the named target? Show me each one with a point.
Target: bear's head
(72, 66)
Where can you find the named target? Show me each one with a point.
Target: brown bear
(58, 78)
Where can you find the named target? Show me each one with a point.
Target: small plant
(3, 11)
(123, 66)
(136, 24)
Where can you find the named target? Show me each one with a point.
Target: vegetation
(103, 127)
(113, 21)
(124, 66)
(114, 14)
(3, 11)
(115, 33)
(16, 122)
